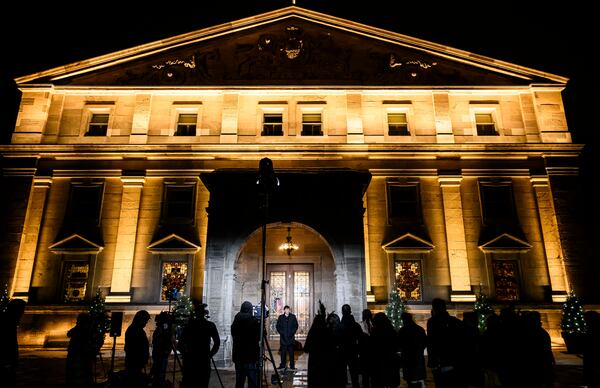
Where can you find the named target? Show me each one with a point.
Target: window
(403, 203)
(178, 203)
(186, 124)
(85, 203)
(506, 279)
(272, 124)
(485, 124)
(311, 124)
(98, 125)
(75, 280)
(397, 124)
(408, 279)
(174, 280)
(497, 204)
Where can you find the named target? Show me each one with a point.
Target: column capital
(42, 182)
(450, 180)
(540, 180)
(133, 181)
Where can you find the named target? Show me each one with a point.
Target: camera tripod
(269, 357)
(177, 361)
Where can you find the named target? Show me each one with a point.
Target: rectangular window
(397, 124)
(75, 281)
(408, 279)
(272, 124)
(186, 124)
(311, 124)
(174, 280)
(403, 203)
(506, 279)
(179, 203)
(485, 124)
(98, 125)
(497, 204)
(85, 203)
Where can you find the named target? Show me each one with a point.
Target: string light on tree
(394, 309)
(183, 311)
(483, 309)
(4, 299)
(573, 321)
(100, 320)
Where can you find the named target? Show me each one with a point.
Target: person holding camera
(287, 325)
(245, 333)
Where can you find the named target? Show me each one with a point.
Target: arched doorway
(299, 280)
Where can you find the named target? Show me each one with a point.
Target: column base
(462, 296)
(370, 297)
(24, 295)
(118, 297)
(559, 296)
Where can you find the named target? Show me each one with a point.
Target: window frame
(89, 112)
(264, 111)
(491, 109)
(185, 107)
(311, 107)
(65, 260)
(69, 215)
(505, 256)
(408, 131)
(421, 257)
(312, 124)
(178, 123)
(404, 107)
(397, 220)
(164, 219)
(174, 258)
(485, 220)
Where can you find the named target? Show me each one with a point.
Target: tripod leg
(217, 371)
(272, 359)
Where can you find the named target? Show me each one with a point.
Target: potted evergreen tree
(573, 324)
(394, 309)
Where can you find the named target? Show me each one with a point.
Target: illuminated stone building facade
(402, 164)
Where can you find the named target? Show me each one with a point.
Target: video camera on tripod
(256, 311)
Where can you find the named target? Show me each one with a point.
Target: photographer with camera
(245, 332)
(194, 345)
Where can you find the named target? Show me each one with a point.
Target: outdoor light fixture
(288, 246)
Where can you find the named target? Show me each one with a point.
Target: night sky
(545, 37)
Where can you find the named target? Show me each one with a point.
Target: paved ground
(44, 368)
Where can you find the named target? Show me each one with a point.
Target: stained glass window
(408, 279)
(506, 279)
(278, 297)
(174, 279)
(302, 300)
(75, 281)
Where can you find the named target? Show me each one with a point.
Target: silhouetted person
(81, 354)
(337, 361)
(510, 357)
(384, 358)
(195, 347)
(591, 350)
(444, 338)
(538, 360)
(137, 346)
(413, 341)
(364, 363)
(351, 334)
(469, 368)
(245, 333)
(320, 348)
(162, 344)
(287, 325)
(491, 343)
(9, 345)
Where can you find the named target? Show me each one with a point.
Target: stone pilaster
(552, 246)
(32, 118)
(443, 123)
(141, 119)
(354, 122)
(460, 282)
(120, 288)
(30, 236)
(229, 121)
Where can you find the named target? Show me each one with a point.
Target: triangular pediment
(408, 242)
(75, 244)
(173, 243)
(505, 242)
(292, 46)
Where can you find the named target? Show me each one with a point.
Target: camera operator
(245, 332)
(162, 344)
(194, 345)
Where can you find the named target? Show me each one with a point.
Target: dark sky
(534, 34)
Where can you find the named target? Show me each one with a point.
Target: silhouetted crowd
(514, 350)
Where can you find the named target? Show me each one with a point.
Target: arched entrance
(299, 280)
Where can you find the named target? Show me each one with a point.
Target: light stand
(267, 183)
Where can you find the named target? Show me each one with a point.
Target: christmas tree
(394, 309)
(4, 299)
(100, 320)
(572, 315)
(483, 310)
(183, 311)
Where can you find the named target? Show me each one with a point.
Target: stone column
(120, 288)
(552, 246)
(354, 122)
(443, 123)
(30, 236)
(141, 119)
(460, 283)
